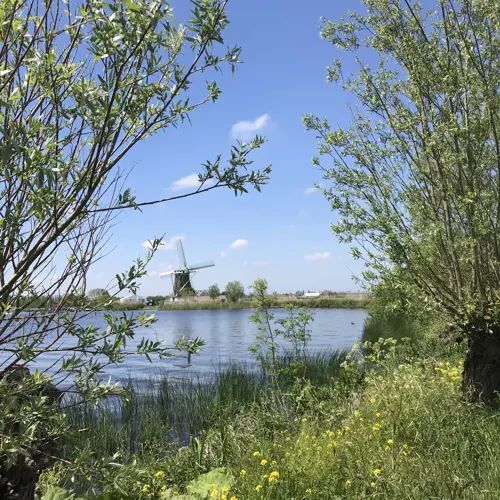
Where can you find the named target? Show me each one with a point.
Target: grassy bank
(325, 303)
(389, 425)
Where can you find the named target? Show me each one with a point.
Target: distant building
(311, 295)
(132, 299)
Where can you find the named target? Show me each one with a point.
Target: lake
(227, 335)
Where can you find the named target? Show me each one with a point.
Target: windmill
(181, 277)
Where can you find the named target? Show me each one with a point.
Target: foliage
(295, 327)
(234, 291)
(213, 291)
(156, 300)
(401, 432)
(31, 424)
(415, 178)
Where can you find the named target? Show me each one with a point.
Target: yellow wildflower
(274, 462)
(304, 419)
(256, 453)
(377, 414)
(361, 419)
(377, 472)
(273, 477)
(263, 461)
(225, 489)
(287, 454)
(372, 400)
(160, 473)
(214, 493)
(390, 441)
(258, 488)
(265, 476)
(372, 484)
(163, 488)
(348, 482)
(233, 498)
(309, 491)
(243, 472)
(356, 413)
(405, 446)
(223, 497)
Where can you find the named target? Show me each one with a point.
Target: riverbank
(330, 426)
(319, 303)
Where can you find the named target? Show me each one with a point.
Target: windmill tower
(181, 277)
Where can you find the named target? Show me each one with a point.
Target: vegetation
(80, 87)
(276, 302)
(156, 300)
(389, 424)
(234, 291)
(415, 178)
(213, 291)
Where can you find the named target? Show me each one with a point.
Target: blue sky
(282, 234)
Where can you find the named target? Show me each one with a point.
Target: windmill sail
(202, 265)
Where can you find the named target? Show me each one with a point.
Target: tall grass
(167, 412)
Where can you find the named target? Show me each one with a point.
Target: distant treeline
(323, 303)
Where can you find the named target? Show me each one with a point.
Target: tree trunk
(481, 373)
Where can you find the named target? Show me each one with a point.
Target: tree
(415, 177)
(81, 86)
(234, 291)
(98, 295)
(213, 291)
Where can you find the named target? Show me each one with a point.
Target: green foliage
(234, 291)
(56, 493)
(156, 300)
(213, 291)
(295, 328)
(414, 179)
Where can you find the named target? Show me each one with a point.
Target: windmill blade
(202, 265)
(167, 273)
(182, 255)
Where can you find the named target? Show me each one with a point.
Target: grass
(323, 303)
(400, 431)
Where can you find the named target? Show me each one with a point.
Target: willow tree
(415, 176)
(81, 84)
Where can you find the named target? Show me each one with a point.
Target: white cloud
(318, 256)
(191, 181)
(239, 244)
(310, 190)
(223, 254)
(153, 273)
(164, 245)
(247, 129)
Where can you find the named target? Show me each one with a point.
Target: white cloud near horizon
(239, 244)
(190, 181)
(318, 256)
(164, 245)
(223, 254)
(247, 129)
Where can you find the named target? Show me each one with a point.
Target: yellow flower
(356, 413)
(405, 446)
(214, 493)
(225, 489)
(304, 419)
(163, 488)
(377, 414)
(377, 471)
(265, 476)
(243, 472)
(390, 441)
(361, 419)
(274, 462)
(309, 491)
(223, 497)
(405, 453)
(233, 498)
(160, 473)
(372, 400)
(146, 487)
(211, 486)
(263, 461)
(287, 454)
(372, 484)
(273, 477)
(387, 447)
(258, 488)
(256, 453)
(348, 482)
